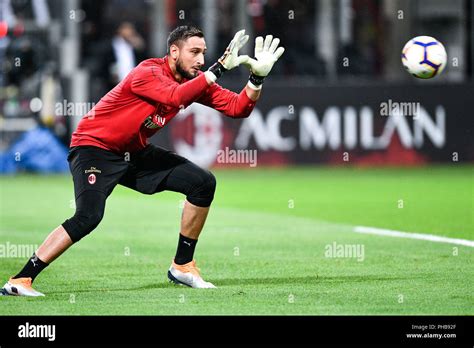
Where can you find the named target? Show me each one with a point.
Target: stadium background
(326, 157)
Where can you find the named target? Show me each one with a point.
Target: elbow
(176, 100)
(240, 114)
(177, 103)
(244, 109)
(180, 100)
(244, 112)
(241, 111)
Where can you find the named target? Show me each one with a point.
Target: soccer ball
(424, 57)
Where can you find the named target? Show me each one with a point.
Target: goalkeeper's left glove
(266, 53)
(231, 59)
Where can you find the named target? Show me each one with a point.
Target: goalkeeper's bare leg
(54, 245)
(183, 269)
(58, 241)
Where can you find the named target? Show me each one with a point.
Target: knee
(90, 220)
(210, 183)
(82, 223)
(202, 193)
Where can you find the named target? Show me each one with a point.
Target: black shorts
(96, 172)
(97, 169)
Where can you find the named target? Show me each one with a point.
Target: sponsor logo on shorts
(92, 179)
(92, 170)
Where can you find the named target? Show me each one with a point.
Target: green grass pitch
(264, 245)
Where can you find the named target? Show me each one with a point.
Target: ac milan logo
(91, 179)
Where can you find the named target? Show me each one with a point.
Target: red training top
(145, 101)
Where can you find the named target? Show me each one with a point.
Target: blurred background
(322, 165)
(321, 104)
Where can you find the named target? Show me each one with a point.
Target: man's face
(190, 57)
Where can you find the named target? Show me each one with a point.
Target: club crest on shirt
(154, 121)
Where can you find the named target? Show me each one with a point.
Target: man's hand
(231, 59)
(266, 53)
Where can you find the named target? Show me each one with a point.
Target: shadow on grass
(158, 285)
(314, 280)
(305, 280)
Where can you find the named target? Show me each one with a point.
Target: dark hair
(182, 33)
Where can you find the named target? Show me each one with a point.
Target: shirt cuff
(255, 88)
(211, 76)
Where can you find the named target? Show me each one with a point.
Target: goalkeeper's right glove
(230, 59)
(266, 53)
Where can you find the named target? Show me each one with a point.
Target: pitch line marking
(399, 234)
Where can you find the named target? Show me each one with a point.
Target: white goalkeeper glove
(231, 59)
(266, 53)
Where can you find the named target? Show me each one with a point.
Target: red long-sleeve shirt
(145, 101)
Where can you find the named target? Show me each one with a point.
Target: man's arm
(240, 105)
(253, 92)
(236, 105)
(150, 82)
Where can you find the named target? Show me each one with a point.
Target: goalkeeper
(109, 146)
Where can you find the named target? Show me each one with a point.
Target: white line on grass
(398, 234)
